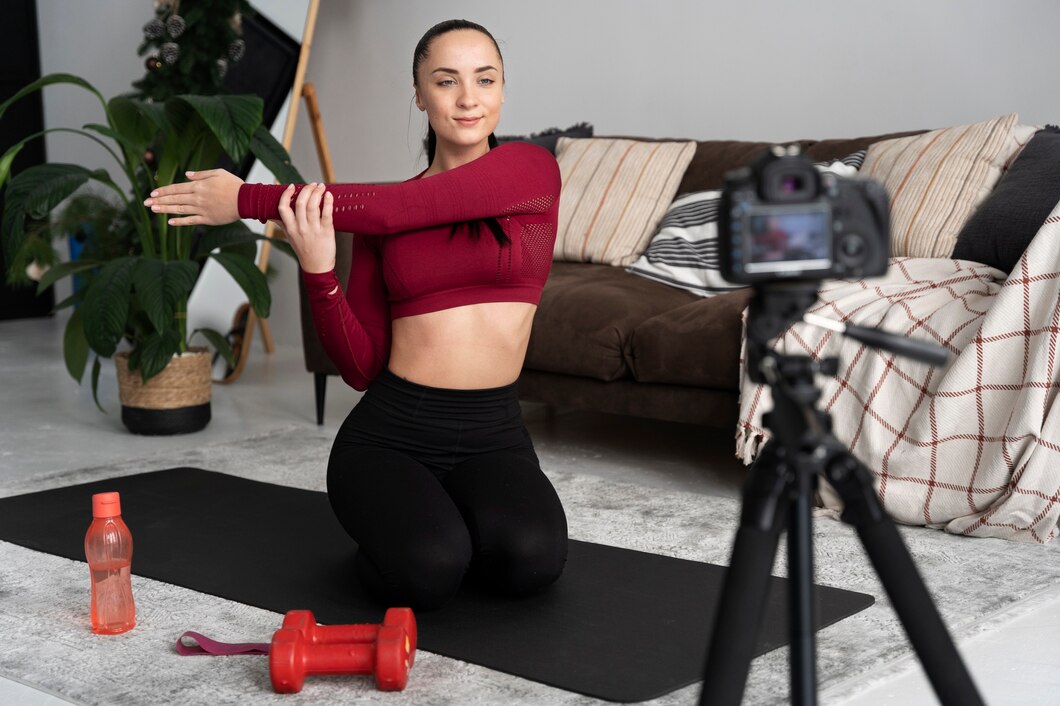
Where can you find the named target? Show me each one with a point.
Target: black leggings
(434, 484)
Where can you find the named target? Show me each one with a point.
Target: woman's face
(460, 85)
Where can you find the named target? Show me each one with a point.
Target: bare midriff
(465, 348)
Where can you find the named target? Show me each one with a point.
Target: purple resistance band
(213, 648)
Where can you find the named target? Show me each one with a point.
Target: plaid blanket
(972, 447)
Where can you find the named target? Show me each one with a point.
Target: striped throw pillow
(936, 180)
(684, 252)
(614, 194)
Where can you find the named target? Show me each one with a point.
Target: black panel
(20, 66)
(267, 70)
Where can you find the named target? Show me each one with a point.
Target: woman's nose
(467, 98)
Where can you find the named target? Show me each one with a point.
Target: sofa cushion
(614, 194)
(1002, 227)
(587, 316)
(936, 179)
(695, 344)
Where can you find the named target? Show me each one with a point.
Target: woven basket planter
(176, 401)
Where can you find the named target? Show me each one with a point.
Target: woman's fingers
(204, 174)
(184, 187)
(302, 207)
(182, 205)
(325, 217)
(313, 207)
(286, 215)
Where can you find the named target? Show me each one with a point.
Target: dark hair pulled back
(419, 54)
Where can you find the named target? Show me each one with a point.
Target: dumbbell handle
(353, 658)
(331, 634)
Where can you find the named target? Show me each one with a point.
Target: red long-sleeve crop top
(407, 259)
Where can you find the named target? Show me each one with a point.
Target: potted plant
(138, 293)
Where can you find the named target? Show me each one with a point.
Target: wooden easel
(297, 90)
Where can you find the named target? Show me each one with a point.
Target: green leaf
(64, 269)
(160, 286)
(133, 149)
(235, 233)
(106, 305)
(250, 279)
(7, 160)
(231, 119)
(138, 120)
(219, 342)
(95, 385)
(47, 81)
(75, 346)
(156, 351)
(73, 300)
(274, 157)
(34, 193)
(237, 238)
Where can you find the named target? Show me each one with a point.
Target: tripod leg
(803, 652)
(743, 594)
(903, 583)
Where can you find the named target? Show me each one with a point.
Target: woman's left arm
(512, 179)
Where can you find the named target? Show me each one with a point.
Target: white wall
(758, 69)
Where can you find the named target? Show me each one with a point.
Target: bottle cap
(106, 505)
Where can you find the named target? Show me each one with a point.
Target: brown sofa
(607, 340)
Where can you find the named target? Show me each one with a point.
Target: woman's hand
(211, 198)
(309, 227)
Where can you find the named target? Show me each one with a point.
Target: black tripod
(780, 488)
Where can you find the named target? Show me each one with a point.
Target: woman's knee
(522, 559)
(422, 573)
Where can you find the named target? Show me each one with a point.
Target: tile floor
(49, 423)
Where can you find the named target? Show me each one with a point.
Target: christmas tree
(189, 46)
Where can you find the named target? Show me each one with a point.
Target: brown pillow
(936, 179)
(614, 194)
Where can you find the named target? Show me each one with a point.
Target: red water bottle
(108, 548)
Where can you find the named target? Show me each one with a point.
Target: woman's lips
(468, 122)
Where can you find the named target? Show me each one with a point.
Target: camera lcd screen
(788, 239)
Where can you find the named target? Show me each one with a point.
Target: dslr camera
(782, 218)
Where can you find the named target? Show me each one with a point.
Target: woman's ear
(419, 101)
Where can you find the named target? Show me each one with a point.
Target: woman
(433, 473)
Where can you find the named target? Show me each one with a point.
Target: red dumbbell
(304, 621)
(292, 657)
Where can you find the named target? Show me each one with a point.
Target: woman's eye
(486, 81)
(446, 82)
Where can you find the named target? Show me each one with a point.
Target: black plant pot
(164, 422)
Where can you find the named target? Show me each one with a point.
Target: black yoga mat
(619, 625)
